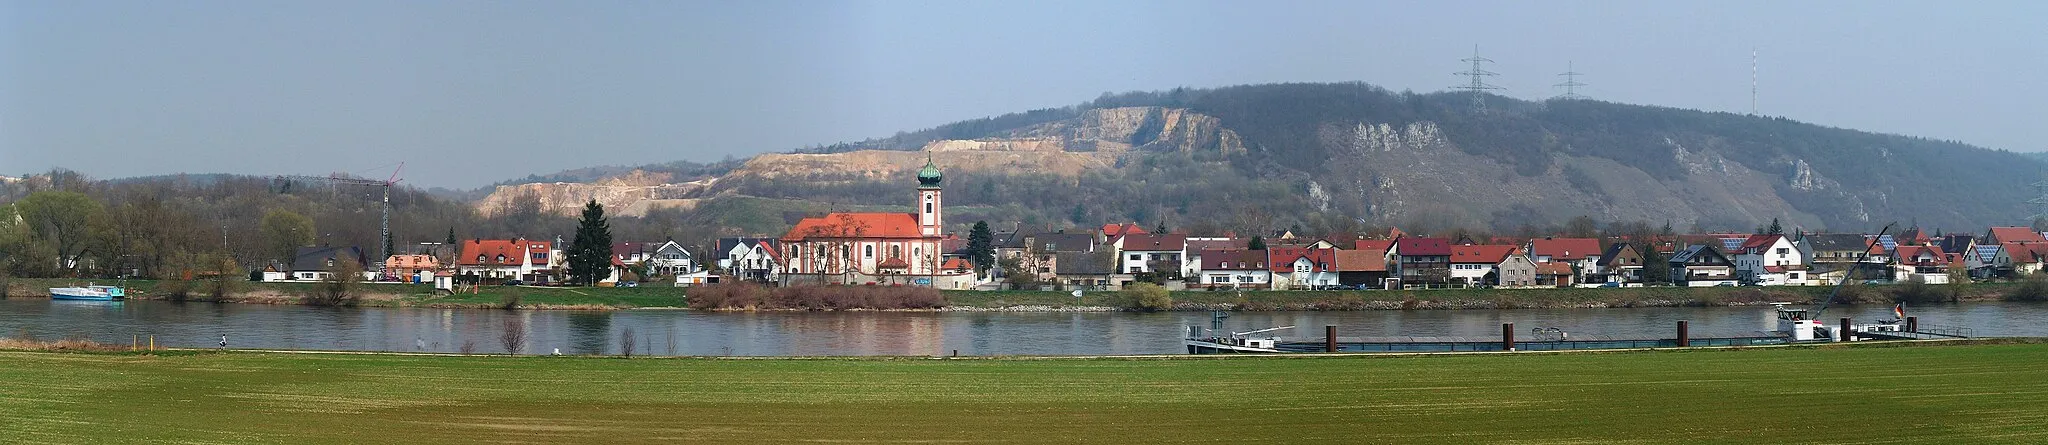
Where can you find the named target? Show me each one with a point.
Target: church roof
(856, 225)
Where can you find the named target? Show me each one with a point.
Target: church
(875, 248)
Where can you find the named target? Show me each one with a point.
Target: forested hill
(1393, 158)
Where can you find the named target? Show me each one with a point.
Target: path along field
(1987, 393)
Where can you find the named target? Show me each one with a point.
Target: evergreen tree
(1655, 269)
(1776, 229)
(981, 247)
(1161, 230)
(590, 253)
(1257, 243)
(451, 236)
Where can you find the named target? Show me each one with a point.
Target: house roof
(957, 264)
(1229, 260)
(1956, 242)
(1362, 260)
(1480, 254)
(2032, 252)
(1615, 252)
(1834, 242)
(1702, 252)
(1231, 243)
(1554, 268)
(2015, 234)
(727, 244)
(1565, 249)
(1759, 241)
(1085, 263)
(1373, 244)
(1418, 246)
(1147, 242)
(315, 258)
(855, 225)
(1111, 231)
(1911, 254)
(1281, 259)
(1050, 242)
(515, 251)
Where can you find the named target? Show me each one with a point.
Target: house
(1701, 265)
(2020, 259)
(1197, 244)
(1621, 263)
(874, 247)
(408, 267)
(1148, 253)
(758, 262)
(1473, 265)
(1110, 232)
(1089, 271)
(522, 259)
(1422, 261)
(668, 258)
(1235, 269)
(1826, 254)
(1760, 252)
(1038, 252)
(1302, 267)
(1583, 254)
(1924, 262)
(1361, 269)
(1555, 274)
(319, 263)
(2002, 235)
(1516, 270)
(729, 250)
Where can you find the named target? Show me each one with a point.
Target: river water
(680, 332)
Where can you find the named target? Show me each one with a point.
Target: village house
(1926, 263)
(1621, 264)
(1198, 244)
(1148, 253)
(1769, 260)
(318, 263)
(2002, 235)
(1362, 269)
(1235, 269)
(1302, 267)
(1701, 265)
(530, 261)
(1830, 257)
(874, 247)
(1473, 265)
(1516, 270)
(1583, 254)
(1089, 271)
(1038, 252)
(1555, 274)
(1422, 261)
(409, 268)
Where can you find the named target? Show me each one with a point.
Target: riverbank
(654, 296)
(1981, 392)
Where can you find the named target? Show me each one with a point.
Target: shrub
(1146, 297)
(1917, 291)
(2035, 288)
(510, 302)
(514, 336)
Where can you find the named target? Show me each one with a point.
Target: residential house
(1515, 270)
(1769, 254)
(532, 261)
(1302, 267)
(1621, 263)
(1089, 271)
(758, 262)
(1110, 232)
(2002, 235)
(1555, 274)
(1198, 244)
(1924, 262)
(319, 263)
(1038, 252)
(1583, 254)
(1362, 269)
(1235, 269)
(1701, 265)
(1148, 253)
(729, 251)
(407, 268)
(1831, 254)
(1422, 261)
(1473, 265)
(669, 258)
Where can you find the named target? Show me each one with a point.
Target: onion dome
(929, 175)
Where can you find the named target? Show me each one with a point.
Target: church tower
(929, 204)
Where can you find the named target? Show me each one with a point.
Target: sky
(468, 93)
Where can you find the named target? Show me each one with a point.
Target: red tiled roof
(2027, 251)
(1142, 241)
(957, 264)
(1553, 269)
(2016, 234)
(1112, 231)
(1230, 259)
(1282, 258)
(1361, 261)
(1565, 249)
(1760, 241)
(515, 251)
(1373, 244)
(1198, 245)
(1418, 246)
(1908, 254)
(1480, 254)
(856, 225)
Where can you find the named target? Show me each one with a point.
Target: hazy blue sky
(469, 93)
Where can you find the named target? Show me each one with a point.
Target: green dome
(929, 175)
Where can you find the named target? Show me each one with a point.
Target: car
(1725, 284)
(514, 283)
(629, 284)
(1610, 285)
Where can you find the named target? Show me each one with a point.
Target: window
(927, 206)
(501, 258)
(330, 262)
(479, 258)
(868, 251)
(1137, 257)
(1219, 279)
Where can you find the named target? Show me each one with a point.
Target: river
(682, 332)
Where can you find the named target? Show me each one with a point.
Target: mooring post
(1684, 338)
(1330, 338)
(1845, 329)
(1507, 336)
(1912, 324)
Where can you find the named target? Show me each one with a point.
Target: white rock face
(1804, 178)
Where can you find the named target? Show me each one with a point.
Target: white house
(1773, 255)
(521, 259)
(1474, 265)
(1239, 269)
(669, 258)
(1137, 253)
(1302, 267)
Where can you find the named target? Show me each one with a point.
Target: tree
(285, 231)
(590, 253)
(64, 220)
(981, 247)
(343, 283)
(1257, 243)
(1655, 269)
(451, 237)
(1775, 229)
(1581, 226)
(1018, 275)
(1146, 297)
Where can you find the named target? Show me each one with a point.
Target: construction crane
(337, 178)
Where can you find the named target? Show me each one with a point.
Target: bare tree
(514, 337)
(626, 342)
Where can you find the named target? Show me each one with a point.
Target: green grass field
(1985, 393)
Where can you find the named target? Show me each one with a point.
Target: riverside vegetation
(1983, 391)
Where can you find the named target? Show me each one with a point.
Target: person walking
(223, 342)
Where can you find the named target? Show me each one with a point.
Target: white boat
(88, 293)
(1237, 342)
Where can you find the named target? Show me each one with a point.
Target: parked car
(514, 283)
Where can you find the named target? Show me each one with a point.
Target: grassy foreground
(1984, 393)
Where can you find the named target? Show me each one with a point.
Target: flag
(1899, 310)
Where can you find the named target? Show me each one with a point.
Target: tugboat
(88, 293)
(1237, 342)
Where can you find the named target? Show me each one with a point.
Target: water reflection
(866, 333)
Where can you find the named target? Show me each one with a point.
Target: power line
(1571, 84)
(1478, 86)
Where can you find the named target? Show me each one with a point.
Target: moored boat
(88, 293)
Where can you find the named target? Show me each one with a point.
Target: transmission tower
(1752, 81)
(1478, 86)
(1571, 84)
(2040, 202)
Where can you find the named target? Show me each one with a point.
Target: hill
(1333, 157)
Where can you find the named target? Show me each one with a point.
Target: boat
(1236, 342)
(88, 293)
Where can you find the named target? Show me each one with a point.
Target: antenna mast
(2040, 202)
(1570, 84)
(1752, 80)
(1478, 86)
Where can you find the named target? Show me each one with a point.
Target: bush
(342, 287)
(1146, 297)
(1917, 291)
(175, 290)
(2035, 288)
